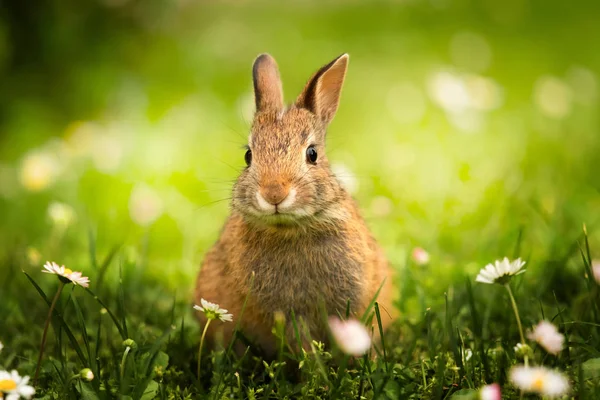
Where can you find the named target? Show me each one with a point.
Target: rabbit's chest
(289, 278)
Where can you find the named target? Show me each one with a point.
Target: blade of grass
(92, 248)
(477, 330)
(593, 284)
(587, 244)
(318, 361)
(368, 367)
(97, 348)
(235, 336)
(106, 263)
(581, 323)
(440, 372)
(454, 347)
(110, 313)
(280, 334)
(182, 340)
(518, 243)
(82, 327)
(467, 372)
(380, 325)
(588, 269)
(296, 330)
(367, 312)
(58, 316)
(562, 321)
(239, 319)
(122, 300)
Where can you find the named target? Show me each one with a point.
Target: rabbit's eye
(311, 154)
(248, 157)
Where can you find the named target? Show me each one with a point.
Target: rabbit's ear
(268, 92)
(321, 95)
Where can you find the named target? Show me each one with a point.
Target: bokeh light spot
(553, 97)
(145, 205)
(39, 170)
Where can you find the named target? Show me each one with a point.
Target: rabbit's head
(287, 180)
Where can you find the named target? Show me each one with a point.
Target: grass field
(469, 129)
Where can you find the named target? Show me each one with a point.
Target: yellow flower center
(68, 271)
(7, 384)
(538, 383)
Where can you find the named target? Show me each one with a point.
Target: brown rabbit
(292, 224)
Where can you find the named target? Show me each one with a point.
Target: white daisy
(490, 392)
(79, 279)
(351, 336)
(420, 256)
(213, 311)
(596, 270)
(14, 386)
(539, 380)
(548, 337)
(66, 275)
(501, 271)
(1, 346)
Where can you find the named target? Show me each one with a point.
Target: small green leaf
(150, 392)
(591, 368)
(393, 390)
(86, 391)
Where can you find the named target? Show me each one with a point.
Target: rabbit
(295, 246)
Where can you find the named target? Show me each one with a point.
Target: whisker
(228, 181)
(212, 190)
(232, 129)
(236, 169)
(212, 203)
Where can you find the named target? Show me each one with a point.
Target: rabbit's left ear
(268, 92)
(321, 95)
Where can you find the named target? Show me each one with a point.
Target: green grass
(118, 101)
(424, 354)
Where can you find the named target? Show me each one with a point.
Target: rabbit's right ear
(268, 93)
(321, 95)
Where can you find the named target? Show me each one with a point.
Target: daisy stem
(68, 385)
(516, 310)
(201, 344)
(125, 354)
(44, 335)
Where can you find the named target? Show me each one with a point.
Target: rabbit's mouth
(281, 218)
(278, 218)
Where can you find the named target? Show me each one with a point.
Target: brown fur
(316, 254)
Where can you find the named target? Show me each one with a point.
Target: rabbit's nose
(274, 193)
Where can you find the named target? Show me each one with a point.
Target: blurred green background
(465, 127)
